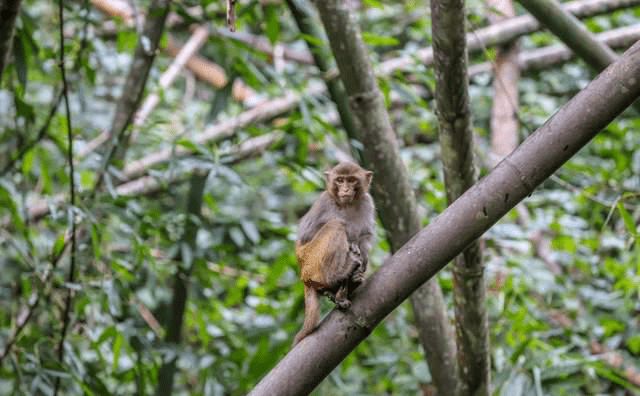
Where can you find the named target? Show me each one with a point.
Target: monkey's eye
(340, 179)
(352, 179)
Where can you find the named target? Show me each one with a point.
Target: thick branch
(460, 224)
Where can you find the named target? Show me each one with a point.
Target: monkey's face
(346, 189)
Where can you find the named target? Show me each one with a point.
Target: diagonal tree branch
(572, 127)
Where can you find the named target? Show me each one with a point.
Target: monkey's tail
(311, 313)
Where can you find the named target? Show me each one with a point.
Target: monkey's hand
(354, 257)
(357, 276)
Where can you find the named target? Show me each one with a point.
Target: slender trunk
(180, 282)
(456, 139)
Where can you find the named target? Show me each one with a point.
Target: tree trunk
(456, 138)
(180, 283)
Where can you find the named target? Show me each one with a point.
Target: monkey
(334, 238)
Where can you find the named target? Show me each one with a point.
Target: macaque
(334, 239)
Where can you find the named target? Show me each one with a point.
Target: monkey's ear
(327, 176)
(368, 175)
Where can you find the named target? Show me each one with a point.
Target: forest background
(168, 265)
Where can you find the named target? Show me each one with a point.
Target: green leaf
(21, 59)
(634, 344)
(376, 40)
(611, 326)
(58, 246)
(188, 144)
(628, 220)
(117, 348)
(24, 109)
(273, 24)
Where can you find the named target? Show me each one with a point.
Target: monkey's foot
(343, 304)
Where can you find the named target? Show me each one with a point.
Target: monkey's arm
(365, 239)
(314, 219)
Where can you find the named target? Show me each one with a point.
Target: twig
(72, 267)
(191, 47)
(41, 134)
(231, 15)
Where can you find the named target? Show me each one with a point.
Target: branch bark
(541, 154)
(573, 33)
(545, 57)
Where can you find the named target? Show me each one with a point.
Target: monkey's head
(347, 183)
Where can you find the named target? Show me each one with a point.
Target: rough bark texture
(392, 192)
(504, 110)
(8, 14)
(456, 139)
(541, 154)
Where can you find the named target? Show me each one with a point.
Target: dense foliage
(564, 269)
